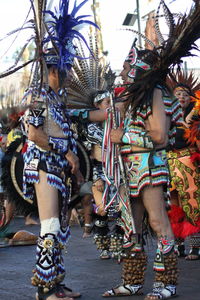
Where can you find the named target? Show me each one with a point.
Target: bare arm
(157, 124)
(97, 115)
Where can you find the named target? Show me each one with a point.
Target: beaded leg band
(165, 263)
(194, 252)
(101, 239)
(195, 241)
(49, 265)
(170, 274)
(116, 245)
(134, 268)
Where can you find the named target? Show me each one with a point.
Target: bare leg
(87, 209)
(48, 206)
(47, 198)
(153, 200)
(138, 213)
(10, 210)
(154, 203)
(98, 200)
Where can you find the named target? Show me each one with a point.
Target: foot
(54, 297)
(194, 254)
(86, 235)
(30, 220)
(124, 290)
(87, 231)
(104, 254)
(160, 291)
(69, 293)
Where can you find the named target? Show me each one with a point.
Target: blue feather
(62, 32)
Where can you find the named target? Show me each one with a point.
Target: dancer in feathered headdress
(148, 130)
(185, 180)
(49, 152)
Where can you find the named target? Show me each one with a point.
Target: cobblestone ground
(85, 272)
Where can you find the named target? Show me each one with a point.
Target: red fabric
(195, 157)
(118, 91)
(180, 226)
(24, 148)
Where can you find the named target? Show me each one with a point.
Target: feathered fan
(88, 76)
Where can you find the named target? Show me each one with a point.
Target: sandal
(124, 290)
(160, 291)
(40, 295)
(68, 292)
(194, 254)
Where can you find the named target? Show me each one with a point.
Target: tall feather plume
(63, 28)
(167, 56)
(88, 76)
(157, 27)
(28, 24)
(169, 18)
(40, 74)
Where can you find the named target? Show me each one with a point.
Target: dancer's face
(105, 103)
(124, 72)
(183, 97)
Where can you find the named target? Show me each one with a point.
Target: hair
(148, 56)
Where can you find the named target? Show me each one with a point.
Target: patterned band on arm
(139, 140)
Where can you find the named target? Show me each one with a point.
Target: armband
(140, 140)
(59, 145)
(81, 115)
(36, 117)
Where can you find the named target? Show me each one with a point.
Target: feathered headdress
(60, 28)
(192, 134)
(184, 78)
(63, 28)
(88, 76)
(163, 58)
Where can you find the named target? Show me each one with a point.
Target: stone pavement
(85, 271)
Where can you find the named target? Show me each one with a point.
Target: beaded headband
(100, 97)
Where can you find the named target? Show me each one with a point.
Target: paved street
(86, 273)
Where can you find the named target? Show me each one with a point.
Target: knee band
(51, 225)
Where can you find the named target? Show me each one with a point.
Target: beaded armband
(81, 114)
(36, 117)
(59, 145)
(139, 140)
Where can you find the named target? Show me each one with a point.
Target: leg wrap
(134, 268)
(101, 239)
(170, 275)
(116, 245)
(49, 265)
(102, 242)
(195, 241)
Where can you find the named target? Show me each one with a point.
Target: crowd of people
(144, 166)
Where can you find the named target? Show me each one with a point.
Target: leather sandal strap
(65, 287)
(60, 293)
(163, 292)
(43, 295)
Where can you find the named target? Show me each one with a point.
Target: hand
(99, 184)
(73, 161)
(116, 135)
